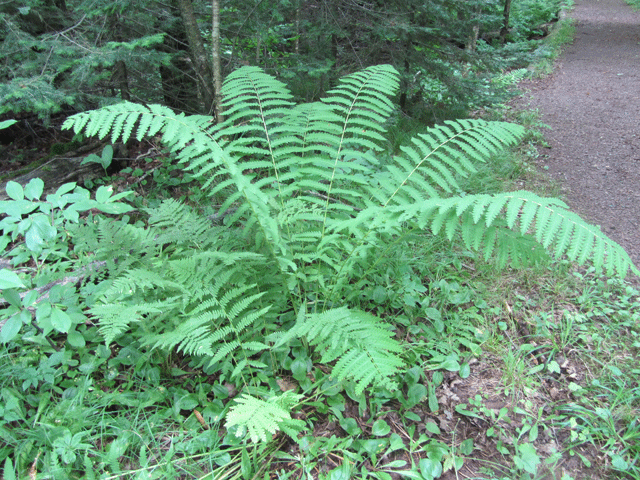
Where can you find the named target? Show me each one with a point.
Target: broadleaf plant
(308, 204)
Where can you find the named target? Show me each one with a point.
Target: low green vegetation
(321, 290)
(330, 317)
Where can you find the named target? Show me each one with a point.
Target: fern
(487, 220)
(265, 417)
(307, 205)
(364, 345)
(189, 296)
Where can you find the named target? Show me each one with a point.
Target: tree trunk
(121, 79)
(296, 45)
(505, 24)
(217, 69)
(200, 60)
(473, 39)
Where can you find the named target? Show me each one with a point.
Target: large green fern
(306, 203)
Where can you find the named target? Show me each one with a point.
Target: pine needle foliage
(307, 206)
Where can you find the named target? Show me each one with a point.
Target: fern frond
(484, 218)
(259, 103)
(199, 145)
(264, 418)
(367, 351)
(430, 165)
(212, 320)
(115, 318)
(141, 279)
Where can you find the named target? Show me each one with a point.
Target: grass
(559, 36)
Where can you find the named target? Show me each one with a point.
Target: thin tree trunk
(217, 70)
(505, 25)
(296, 45)
(473, 38)
(258, 47)
(121, 78)
(200, 59)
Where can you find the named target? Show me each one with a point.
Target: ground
(592, 104)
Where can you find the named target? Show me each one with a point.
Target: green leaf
(374, 446)
(450, 363)
(107, 156)
(416, 394)
(246, 467)
(527, 458)
(76, 339)
(380, 428)
(350, 425)
(343, 472)
(8, 472)
(381, 475)
(33, 189)
(536, 369)
(40, 232)
(414, 417)
(10, 328)
(92, 158)
(43, 317)
(65, 188)
(462, 410)
(396, 464)
(299, 369)
(9, 279)
(103, 194)
(71, 214)
(12, 296)
(60, 320)
(7, 124)
(430, 469)
(615, 370)
(432, 428)
(466, 447)
(115, 208)
(619, 463)
(553, 367)
(433, 399)
(15, 191)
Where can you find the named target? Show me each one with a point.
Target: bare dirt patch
(592, 103)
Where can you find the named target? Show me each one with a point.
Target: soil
(592, 104)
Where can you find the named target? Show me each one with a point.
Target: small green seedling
(104, 160)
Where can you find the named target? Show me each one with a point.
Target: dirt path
(592, 102)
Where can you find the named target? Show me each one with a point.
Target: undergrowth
(327, 320)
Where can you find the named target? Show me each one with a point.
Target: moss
(62, 148)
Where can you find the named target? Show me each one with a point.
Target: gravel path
(592, 103)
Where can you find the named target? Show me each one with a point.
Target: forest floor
(592, 104)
